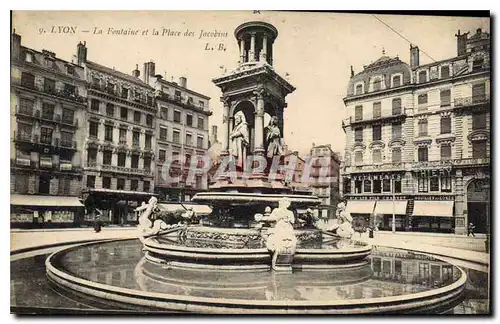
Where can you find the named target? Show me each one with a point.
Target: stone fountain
(256, 252)
(255, 222)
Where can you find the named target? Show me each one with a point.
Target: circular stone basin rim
(53, 271)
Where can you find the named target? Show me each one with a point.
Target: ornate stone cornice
(376, 144)
(397, 142)
(358, 146)
(423, 142)
(478, 135)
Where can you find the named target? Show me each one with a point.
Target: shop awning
(388, 207)
(199, 209)
(45, 201)
(360, 206)
(433, 208)
(171, 207)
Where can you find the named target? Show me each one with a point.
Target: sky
(315, 49)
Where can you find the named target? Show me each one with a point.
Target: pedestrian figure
(470, 230)
(97, 222)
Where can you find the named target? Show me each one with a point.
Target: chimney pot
(479, 30)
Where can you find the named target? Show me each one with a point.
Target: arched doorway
(478, 204)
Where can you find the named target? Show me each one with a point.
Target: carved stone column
(251, 54)
(259, 124)
(225, 125)
(242, 51)
(263, 52)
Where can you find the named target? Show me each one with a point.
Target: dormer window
(358, 89)
(377, 84)
(422, 76)
(49, 62)
(396, 80)
(445, 71)
(70, 70)
(28, 57)
(477, 64)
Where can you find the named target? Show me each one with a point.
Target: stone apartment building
(418, 139)
(328, 191)
(48, 99)
(119, 146)
(182, 135)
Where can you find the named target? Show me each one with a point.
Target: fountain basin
(149, 286)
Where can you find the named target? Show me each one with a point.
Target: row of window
(49, 85)
(374, 186)
(120, 183)
(44, 184)
(478, 95)
(26, 106)
(124, 92)
(46, 134)
(479, 150)
(479, 121)
(377, 109)
(376, 84)
(107, 157)
(124, 112)
(176, 137)
(178, 97)
(48, 62)
(122, 136)
(423, 75)
(177, 117)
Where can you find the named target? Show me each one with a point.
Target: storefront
(115, 207)
(35, 211)
(360, 211)
(385, 209)
(433, 216)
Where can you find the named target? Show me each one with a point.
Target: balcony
(122, 141)
(384, 119)
(24, 137)
(103, 89)
(472, 100)
(185, 103)
(68, 144)
(432, 164)
(122, 169)
(51, 91)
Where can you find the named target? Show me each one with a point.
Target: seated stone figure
(343, 226)
(147, 226)
(281, 240)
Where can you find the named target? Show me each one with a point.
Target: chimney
(461, 43)
(183, 82)
(213, 137)
(414, 56)
(81, 53)
(16, 45)
(136, 73)
(479, 31)
(149, 71)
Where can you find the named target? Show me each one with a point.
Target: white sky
(316, 49)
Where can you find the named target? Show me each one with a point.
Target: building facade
(182, 136)
(48, 100)
(119, 146)
(418, 141)
(328, 191)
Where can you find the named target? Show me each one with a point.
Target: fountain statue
(281, 240)
(274, 141)
(146, 226)
(239, 140)
(343, 226)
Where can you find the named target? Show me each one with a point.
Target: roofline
(176, 85)
(98, 66)
(56, 58)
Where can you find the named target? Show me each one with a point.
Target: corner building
(418, 141)
(48, 100)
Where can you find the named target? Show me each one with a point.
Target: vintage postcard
(250, 162)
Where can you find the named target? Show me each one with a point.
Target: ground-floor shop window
(433, 224)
